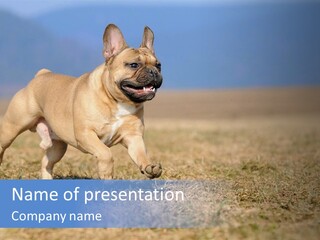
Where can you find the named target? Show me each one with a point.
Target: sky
(31, 8)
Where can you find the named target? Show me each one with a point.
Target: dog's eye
(158, 66)
(134, 65)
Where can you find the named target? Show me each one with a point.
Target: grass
(264, 143)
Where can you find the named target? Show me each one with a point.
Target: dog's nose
(152, 72)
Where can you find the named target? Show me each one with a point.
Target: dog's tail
(42, 71)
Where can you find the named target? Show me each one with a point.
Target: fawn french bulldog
(93, 112)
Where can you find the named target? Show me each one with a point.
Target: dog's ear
(147, 39)
(113, 41)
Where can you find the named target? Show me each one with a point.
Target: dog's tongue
(149, 89)
(143, 90)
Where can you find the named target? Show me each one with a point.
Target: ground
(265, 143)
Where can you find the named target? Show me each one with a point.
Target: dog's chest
(112, 129)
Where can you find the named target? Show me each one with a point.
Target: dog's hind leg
(54, 148)
(20, 116)
(43, 131)
(52, 156)
(8, 132)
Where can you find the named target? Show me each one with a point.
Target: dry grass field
(265, 143)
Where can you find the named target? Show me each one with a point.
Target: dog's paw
(152, 170)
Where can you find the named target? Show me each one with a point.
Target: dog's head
(132, 74)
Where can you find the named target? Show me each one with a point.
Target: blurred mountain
(220, 46)
(26, 47)
(211, 46)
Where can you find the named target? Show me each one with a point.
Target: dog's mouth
(138, 92)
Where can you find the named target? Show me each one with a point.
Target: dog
(93, 112)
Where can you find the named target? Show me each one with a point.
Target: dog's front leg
(137, 151)
(89, 142)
